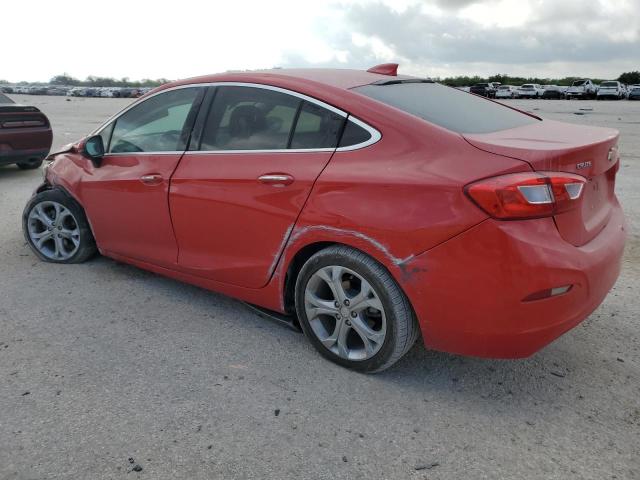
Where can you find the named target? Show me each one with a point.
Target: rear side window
(155, 125)
(316, 127)
(247, 118)
(446, 107)
(354, 135)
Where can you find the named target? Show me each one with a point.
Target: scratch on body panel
(276, 257)
(352, 233)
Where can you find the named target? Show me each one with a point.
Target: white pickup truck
(582, 89)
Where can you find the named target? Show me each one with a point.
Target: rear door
(126, 198)
(239, 189)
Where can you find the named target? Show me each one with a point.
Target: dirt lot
(101, 363)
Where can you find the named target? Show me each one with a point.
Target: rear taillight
(527, 195)
(23, 123)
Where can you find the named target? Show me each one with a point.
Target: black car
(484, 89)
(553, 92)
(25, 134)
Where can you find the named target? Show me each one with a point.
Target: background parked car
(506, 91)
(25, 134)
(58, 91)
(484, 89)
(634, 92)
(611, 89)
(582, 89)
(530, 90)
(76, 92)
(553, 92)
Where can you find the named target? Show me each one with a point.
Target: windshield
(447, 107)
(578, 83)
(527, 87)
(504, 88)
(609, 84)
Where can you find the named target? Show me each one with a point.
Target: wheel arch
(306, 251)
(298, 259)
(46, 186)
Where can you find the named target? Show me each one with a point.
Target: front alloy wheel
(53, 230)
(56, 228)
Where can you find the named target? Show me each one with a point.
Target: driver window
(155, 125)
(248, 118)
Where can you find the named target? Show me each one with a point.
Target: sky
(435, 38)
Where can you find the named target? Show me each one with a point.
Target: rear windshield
(447, 107)
(609, 84)
(527, 87)
(481, 85)
(577, 83)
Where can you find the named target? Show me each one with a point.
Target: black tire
(30, 164)
(87, 245)
(401, 326)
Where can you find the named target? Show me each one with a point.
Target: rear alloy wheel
(353, 311)
(56, 228)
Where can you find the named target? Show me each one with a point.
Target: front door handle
(276, 179)
(151, 179)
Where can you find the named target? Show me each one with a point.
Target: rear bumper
(24, 144)
(468, 292)
(15, 156)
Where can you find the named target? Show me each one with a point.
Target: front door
(126, 198)
(235, 198)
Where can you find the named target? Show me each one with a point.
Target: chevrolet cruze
(373, 207)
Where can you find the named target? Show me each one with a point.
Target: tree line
(93, 81)
(628, 78)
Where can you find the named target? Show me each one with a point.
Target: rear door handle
(276, 179)
(151, 179)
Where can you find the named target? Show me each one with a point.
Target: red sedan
(371, 206)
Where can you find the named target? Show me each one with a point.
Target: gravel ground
(106, 369)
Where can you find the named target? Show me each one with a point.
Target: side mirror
(94, 150)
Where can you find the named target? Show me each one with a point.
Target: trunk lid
(561, 147)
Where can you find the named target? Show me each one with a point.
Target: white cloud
(147, 39)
